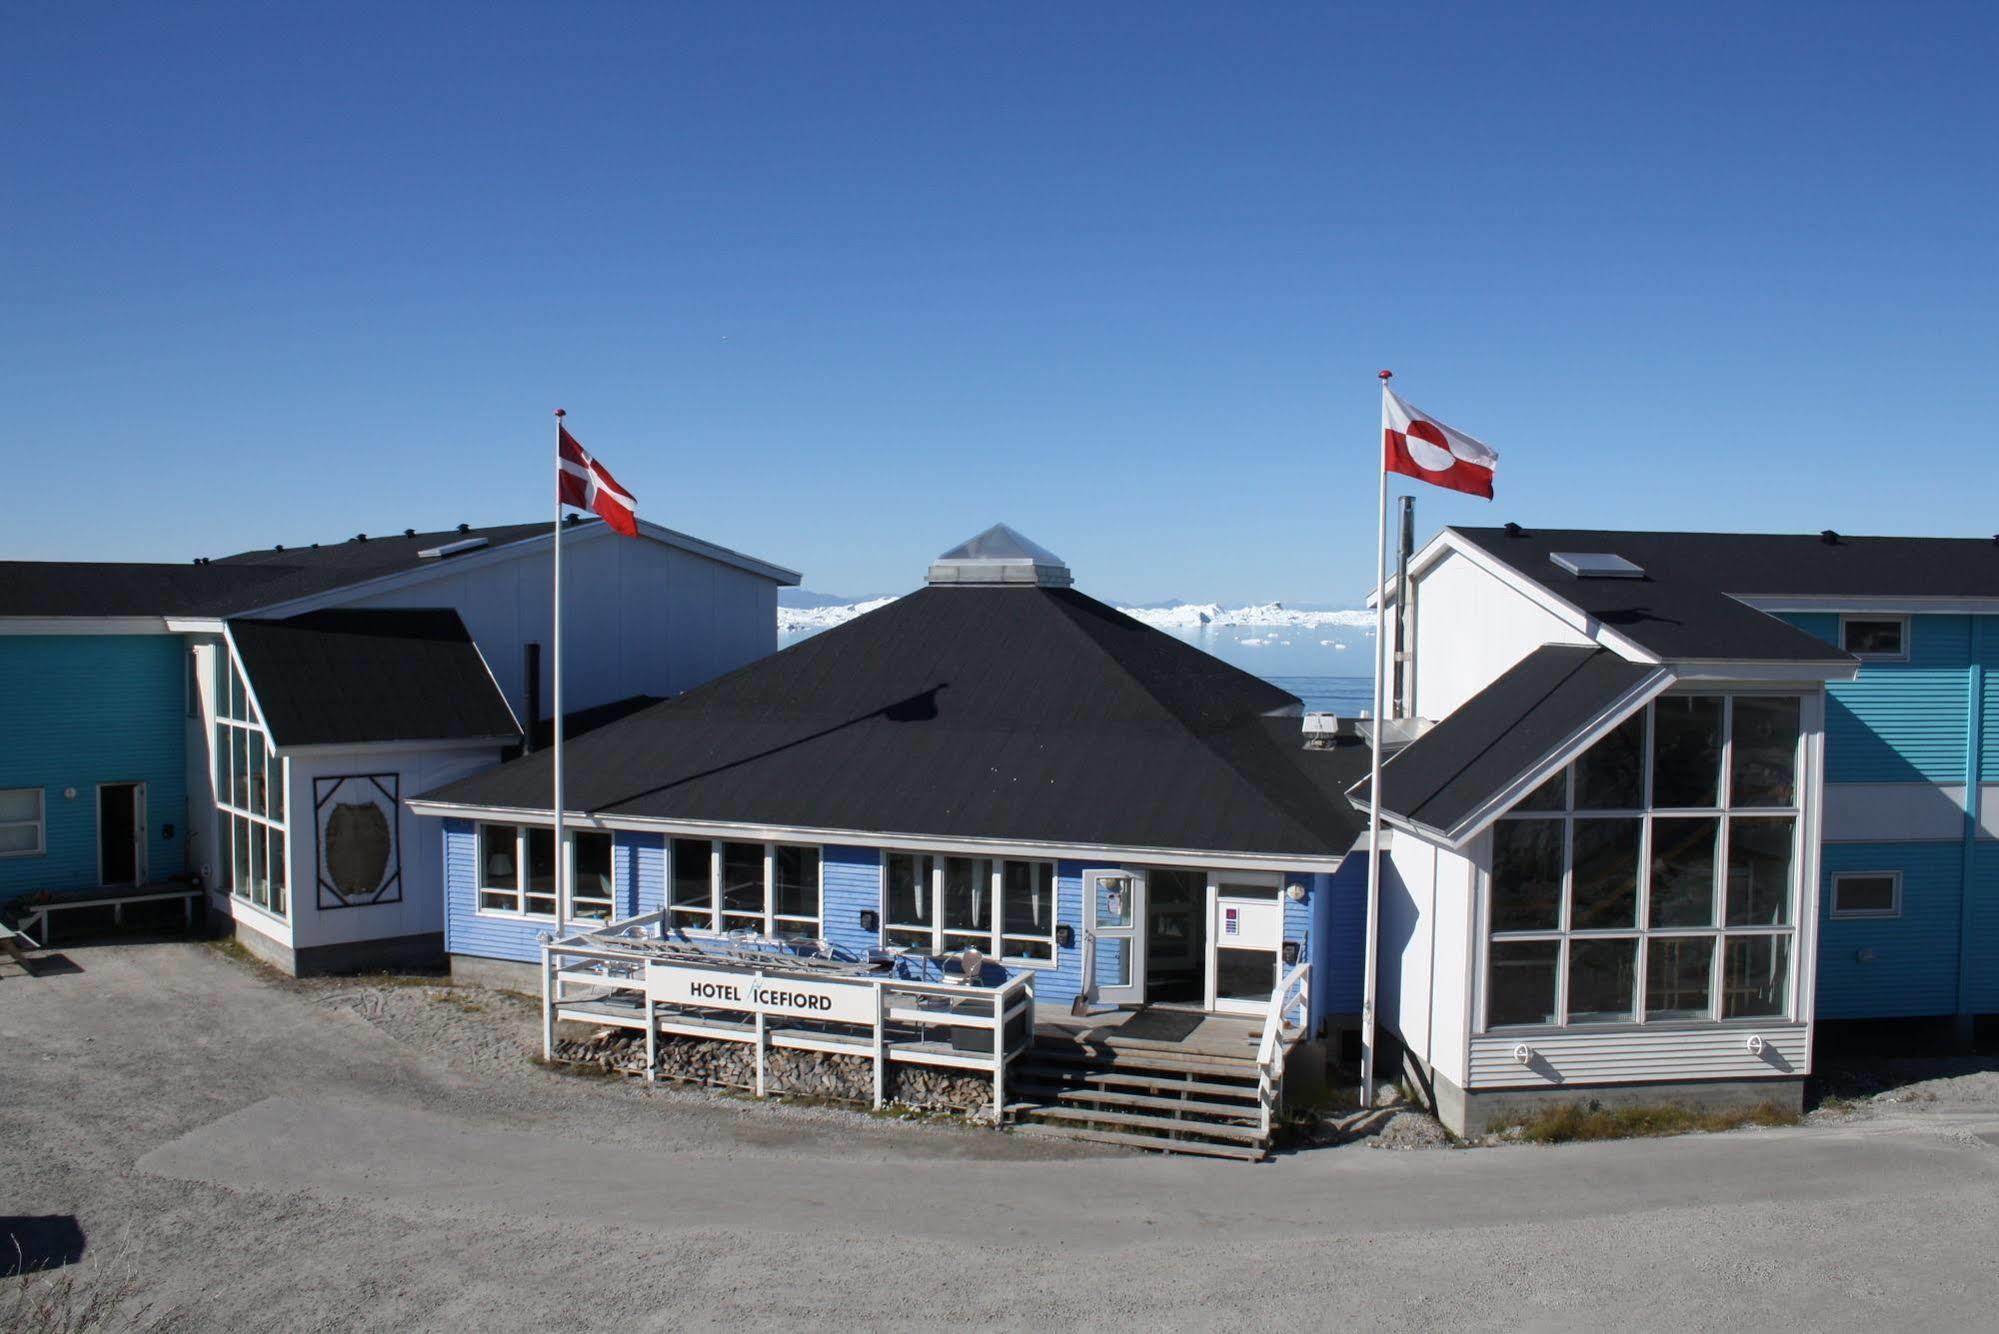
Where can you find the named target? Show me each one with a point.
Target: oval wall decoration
(356, 820)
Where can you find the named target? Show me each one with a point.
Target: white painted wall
(1426, 954)
(421, 910)
(1893, 812)
(1471, 627)
(639, 617)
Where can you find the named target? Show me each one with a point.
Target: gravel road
(263, 1154)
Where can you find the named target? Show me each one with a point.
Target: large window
(1654, 879)
(771, 889)
(517, 872)
(1882, 638)
(249, 794)
(23, 825)
(1000, 907)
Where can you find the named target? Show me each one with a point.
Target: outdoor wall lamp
(870, 920)
(1295, 892)
(1755, 1044)
(1524, 1054)
(1065, 936)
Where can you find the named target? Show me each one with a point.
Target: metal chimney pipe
(1405, 547)
(531, 674)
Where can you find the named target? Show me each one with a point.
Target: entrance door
(121, 830)
(1116, 923)
(1176, 936)
(1245, 941)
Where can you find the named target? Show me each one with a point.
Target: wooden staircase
(1144, 1095)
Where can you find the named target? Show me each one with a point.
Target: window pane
(1759, 871)
(278, 876)
(496, 856)
(1603, 981)
(693, 880)
(1686, 750)
(275, 774)
(1756, 971)
(1114, 900)
(1764, 736)
(908, 889)
(1610, 774)
(235, 691)
(968, 894)
(1884, 637)
(221, 762)
(1030, 899)
(20, 803)
(1683, 871)
(1605, 891)
(257, 769)
(1520, 987)
(1871, 895)
(1677, 973)
(19, 838)
(1526, 875)
(906, 939)
(541, 870)
(239, 833)
(1552, 795)
(590, 875)
(239, 749)
(260, 873)
(795, 882)
(1245, 974)
(743, 881)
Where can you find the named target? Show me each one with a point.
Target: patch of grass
(459, 1001)
(1594, 1121)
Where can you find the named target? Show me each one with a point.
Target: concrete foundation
(499, 974)
(1474, 1113)
(398, 954)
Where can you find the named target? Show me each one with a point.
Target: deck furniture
(40, 915)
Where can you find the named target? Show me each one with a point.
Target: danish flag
(1426, 449)
(588, 485)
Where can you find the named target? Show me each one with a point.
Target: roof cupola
(999, 555)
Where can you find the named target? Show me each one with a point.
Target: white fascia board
(195, 625)
(1425, 556)
(84, 625)
(321, 749)
(1804, 675)
(1575, 744)
(493, 555)
(1899, 605)
(977, 847)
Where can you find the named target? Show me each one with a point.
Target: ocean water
(1347, 695)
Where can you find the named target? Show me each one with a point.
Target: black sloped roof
(1029, 712)
(348, 676)
(1501, 734)
(1687, 607)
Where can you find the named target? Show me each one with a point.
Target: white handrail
(1294, 990)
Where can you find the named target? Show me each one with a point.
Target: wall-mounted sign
(1231, 921)
(744, 992)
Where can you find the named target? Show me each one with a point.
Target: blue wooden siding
(1899, 722)
(1339, 938)
(79, 710)
(642, 864)
(1913, 968)
(851, 884)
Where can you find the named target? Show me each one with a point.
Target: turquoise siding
(1899, 722)
(850, 884)
(79, 710)
(1913, 971)
(1983, 956)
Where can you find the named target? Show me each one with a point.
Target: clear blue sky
(842, 284)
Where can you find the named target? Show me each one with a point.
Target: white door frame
(1132, 933)
(1216, 902)
(139, 867)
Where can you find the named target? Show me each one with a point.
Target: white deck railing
(1294, 992)
(640, 973)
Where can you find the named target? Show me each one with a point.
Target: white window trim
(1644, 934)
(1901, 620)
(608, 901)
(40, 824)
(687, 918)
(997, 936)
(519, 889)
(1865, 914)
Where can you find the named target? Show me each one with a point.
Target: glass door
(1245, 939)
(1116, 936)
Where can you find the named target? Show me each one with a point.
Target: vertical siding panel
(851, 884)
(642, 859)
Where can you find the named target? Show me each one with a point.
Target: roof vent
(360, 537)
(1513, 529)
(464, 527)
(279, 547)
(1829, 537)
(409, 532)
(1596, 565)
(451, 548)
(999, 555)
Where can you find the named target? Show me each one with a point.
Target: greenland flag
(588, 485)
(1426, 449)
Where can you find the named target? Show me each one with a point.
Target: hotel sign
(715, 989)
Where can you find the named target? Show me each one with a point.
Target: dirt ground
(239, 1151)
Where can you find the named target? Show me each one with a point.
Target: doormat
(1153, 1024)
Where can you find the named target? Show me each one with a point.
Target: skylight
(1596, 565)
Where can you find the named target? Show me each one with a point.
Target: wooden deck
(1226, 1035)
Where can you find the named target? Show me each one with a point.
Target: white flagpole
(561, 860)
(1374, 766)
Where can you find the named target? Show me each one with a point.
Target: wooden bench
(15, 946)
(38, 914)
